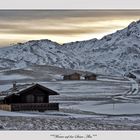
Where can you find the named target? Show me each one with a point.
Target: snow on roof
(18, 89)
(22, 88)
(90, 74)
(72, 73)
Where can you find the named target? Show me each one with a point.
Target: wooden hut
(74, 76)
(90, 77)
(35, 97)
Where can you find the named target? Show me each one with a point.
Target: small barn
(34, 97)
(90, 77)
(73, 76)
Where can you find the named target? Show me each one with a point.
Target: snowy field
(49, 123)
(105, 104)
(11, 77)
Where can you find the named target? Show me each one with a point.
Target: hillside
(116, 53)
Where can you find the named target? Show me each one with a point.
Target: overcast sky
(61, 26)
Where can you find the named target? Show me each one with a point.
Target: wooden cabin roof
(72, 74)
(27, 88)
(90, 75)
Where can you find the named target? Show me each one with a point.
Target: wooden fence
(30, 107)
(5, 107)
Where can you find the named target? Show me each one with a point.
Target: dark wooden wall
(31, 96)
(72, 77)
(90, 77)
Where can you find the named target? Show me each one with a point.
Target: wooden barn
(74, 76)
(34, 97)
(90, 77)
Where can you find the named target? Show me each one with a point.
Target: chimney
(14, 86)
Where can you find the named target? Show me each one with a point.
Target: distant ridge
(115, 53)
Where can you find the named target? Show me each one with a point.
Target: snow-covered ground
(50, 123)
(14, 76)
(88, 105)
(90, 96)
(5, 87)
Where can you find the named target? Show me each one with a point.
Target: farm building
(34, 97)
(90, 77)
(74, 76)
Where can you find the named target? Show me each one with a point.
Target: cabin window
(39, 99)
(30, 98)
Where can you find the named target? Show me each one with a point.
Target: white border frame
(70, 135)
(69, 4)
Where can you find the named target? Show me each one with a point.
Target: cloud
(12, 29)
(57, 14)
(56, 24)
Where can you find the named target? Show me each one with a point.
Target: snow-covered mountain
(115, 53)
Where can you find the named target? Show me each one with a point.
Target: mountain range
(116, 53)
